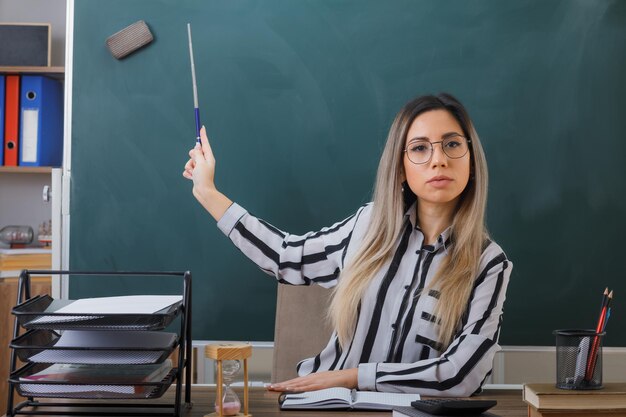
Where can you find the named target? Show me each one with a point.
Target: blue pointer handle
(198, 125)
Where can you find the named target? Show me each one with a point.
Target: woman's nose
(439, 157)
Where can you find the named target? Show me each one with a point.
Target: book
(548, 397)
(414, 412)
(344, 398)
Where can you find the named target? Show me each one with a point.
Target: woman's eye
(419, 147)
(453, 144)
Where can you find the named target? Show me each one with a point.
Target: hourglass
(229, 357)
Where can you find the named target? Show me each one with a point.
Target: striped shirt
(395, 345)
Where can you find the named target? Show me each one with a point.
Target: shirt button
(406, 287)
(393, 326)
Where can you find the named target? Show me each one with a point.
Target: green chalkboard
(298, 96)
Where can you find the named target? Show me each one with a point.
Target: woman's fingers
(307, 383)
(206, 146)
(196, 155)
(189, 167)
(347, 378)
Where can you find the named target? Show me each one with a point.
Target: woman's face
(442, 179)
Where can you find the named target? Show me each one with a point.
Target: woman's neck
(434, 218)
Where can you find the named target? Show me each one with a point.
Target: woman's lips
(439, 181)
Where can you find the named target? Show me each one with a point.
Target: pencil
(593, 352)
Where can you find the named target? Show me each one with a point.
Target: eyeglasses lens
(420, 151)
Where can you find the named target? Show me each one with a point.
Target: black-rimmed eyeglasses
(420, 151)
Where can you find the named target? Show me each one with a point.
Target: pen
(195, 87)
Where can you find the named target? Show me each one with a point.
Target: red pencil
(591, 359)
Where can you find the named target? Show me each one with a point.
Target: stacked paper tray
(94, 347)
(93, 382)
(43, 312)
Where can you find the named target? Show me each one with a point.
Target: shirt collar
(411, 214)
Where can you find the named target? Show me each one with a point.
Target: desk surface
(265, 404)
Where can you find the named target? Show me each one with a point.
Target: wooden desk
(265, 404)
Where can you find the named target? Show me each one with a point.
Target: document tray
(94, 347)
(89, 387)
(40, 312)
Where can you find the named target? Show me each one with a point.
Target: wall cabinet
(28, 194)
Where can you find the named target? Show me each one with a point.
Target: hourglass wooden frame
(226, 352)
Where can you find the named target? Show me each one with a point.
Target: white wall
(39, 11)
(21, 201)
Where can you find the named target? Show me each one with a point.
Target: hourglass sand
(228, 357)
(230, 400)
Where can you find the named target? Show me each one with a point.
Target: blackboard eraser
(129, 39)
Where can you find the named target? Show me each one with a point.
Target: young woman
(419, 286)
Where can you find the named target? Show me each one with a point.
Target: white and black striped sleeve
(315, 257)
(463, 367)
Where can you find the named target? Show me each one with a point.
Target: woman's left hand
(347, 378)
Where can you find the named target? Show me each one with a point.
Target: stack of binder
(31, 120)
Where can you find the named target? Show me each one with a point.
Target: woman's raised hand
(201, 165)
(201, 170)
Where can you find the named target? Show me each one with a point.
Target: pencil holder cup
(578, 359)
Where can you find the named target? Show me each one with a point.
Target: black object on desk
(414, 412)
(452, 407)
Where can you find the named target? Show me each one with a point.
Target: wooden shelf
(54, 72)
(26, 170)
(32, 70)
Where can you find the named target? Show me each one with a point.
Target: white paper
(30, 133)
(103, 339)
(97, 357)
(60, 319)
(389, 398)
(335, 396)
(66, 389)
(115, 339)
(342, 398)
(130, 304)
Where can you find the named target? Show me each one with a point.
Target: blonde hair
(455, 278)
